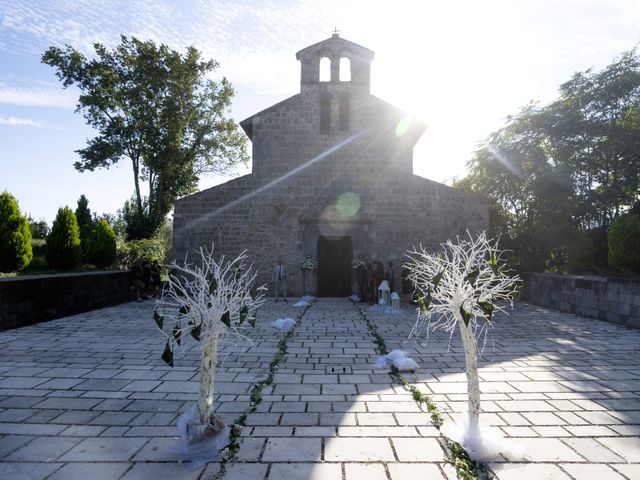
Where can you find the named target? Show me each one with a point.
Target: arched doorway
(334, 266)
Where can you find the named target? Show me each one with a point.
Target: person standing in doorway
(280, 280)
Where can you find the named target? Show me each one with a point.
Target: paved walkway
(88, 397)
(565, 387)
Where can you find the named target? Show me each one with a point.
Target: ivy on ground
(255, 398)
(466, 468)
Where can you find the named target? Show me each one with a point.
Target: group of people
(369, 276)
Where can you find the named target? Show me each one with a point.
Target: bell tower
(349, 64)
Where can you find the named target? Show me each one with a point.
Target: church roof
(417, 126)
(336, 46)
(247, 123)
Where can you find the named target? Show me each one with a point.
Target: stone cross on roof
(336, 32)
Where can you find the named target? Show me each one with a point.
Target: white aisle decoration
(208, 301)
(463, 286)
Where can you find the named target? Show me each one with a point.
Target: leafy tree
(571, 164)
(63, 243)
(159, 109)
(624, 253)
(15, 236)
(83, 216)
(115, 221)
(39, 228)
(101, 247)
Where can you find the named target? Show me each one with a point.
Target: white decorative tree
(207, 301)
(463, 285)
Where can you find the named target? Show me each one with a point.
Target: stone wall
(32, 299)
(609, 299)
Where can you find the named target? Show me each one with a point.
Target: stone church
(332, 177)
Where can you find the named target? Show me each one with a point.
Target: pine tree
(15, 236)
(83, 217)
(63, 243)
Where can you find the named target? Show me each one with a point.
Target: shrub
(63, 243)
(149, 249)
(624, 253)
(39, 247)
(580, 253)
(101, 247)
(37, 265)
(15, 236)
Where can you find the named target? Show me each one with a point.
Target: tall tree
(566, 166)
(158, 108)
(83, 216)
(15, 236)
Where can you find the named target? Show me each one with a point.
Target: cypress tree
(83, 216)
(15, 236)
(101, 247)
(63, 243)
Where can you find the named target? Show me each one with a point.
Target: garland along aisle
(255, 399)
(466, 468)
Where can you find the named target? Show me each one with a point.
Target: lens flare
(403, 126)
(348, 204)
(332, 223)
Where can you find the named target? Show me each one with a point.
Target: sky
(460, 66)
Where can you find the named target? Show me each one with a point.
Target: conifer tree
(83, 217)
(15, 236)
(63, 243)
(101, 246)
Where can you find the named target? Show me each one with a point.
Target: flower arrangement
(309, 262)
(359, 261)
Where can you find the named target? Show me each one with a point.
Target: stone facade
(331, 161)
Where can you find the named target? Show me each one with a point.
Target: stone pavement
(322, 423)
(565, 387)
(88, 397)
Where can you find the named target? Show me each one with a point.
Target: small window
(345, 69)
(325, 113)
(325, 69)
(344, 113)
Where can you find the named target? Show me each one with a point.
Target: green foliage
(101, 247)
(624, 253)
(38, 264)
(580, 253)
(15, 236)
(83, 217)
(39, 228)
(38, 247)
(115, 221)
(571, 164)
(63, 243)
(158, 108)
(149, 249)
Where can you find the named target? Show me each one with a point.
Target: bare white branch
(208, 300)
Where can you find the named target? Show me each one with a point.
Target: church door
(334, 266)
